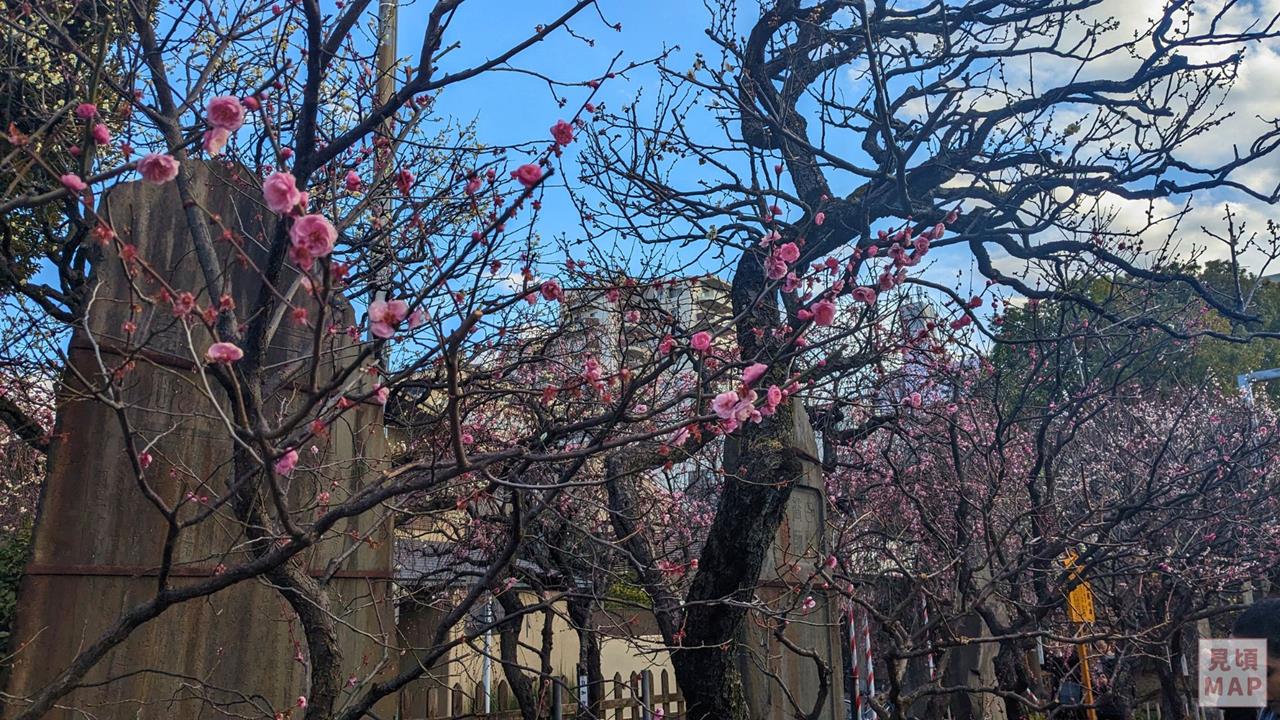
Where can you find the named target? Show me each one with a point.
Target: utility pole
(388, 10)
(486, 666)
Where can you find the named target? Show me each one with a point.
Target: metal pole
(1087, 679)
(557, 708)
(854, 651)
(646, 696)
(871, 668)
(1245, 381)
(486, 664)
(924, 614)
(388, 11)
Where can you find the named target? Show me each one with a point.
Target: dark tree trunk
(750, 510)
(588, 657)
(509, 656)
(305, 595)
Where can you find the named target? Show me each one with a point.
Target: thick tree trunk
(509, 655)
(306, 596)
(751, 509)
(311, 603)
(746, 523)
(588, 657)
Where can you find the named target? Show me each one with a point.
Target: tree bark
(308, 599)
(746, 522)
(509, 655)
(588, 657)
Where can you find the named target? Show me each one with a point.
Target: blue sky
(509, 107)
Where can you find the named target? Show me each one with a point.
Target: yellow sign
(1080, 597)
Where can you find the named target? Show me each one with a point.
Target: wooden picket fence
(642, 697)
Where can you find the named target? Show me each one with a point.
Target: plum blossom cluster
(311, 235)
(385, 316)
(735, 407)
(223, 115)
(155, 168)
(902, 252)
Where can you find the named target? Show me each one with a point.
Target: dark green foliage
(13, 558)
(623, 595)
(1104, 350)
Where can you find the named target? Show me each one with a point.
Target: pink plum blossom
(158, 168)
(73, 183)
(404, 181)
(551, 290)
(215, 139)
(723, 405)
(824, 312)
(562, 132)
(528, 174)
(312, 236)
(287, 462)
(225, 112)
(773, 396)
(775, 268)
(734, 408)
(224, 352)
(385, 316)
(753, 372)
(280, 190)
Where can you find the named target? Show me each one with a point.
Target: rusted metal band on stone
(51, 570)
(159, 358)
(176, 362)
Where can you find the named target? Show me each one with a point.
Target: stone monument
(97, 544)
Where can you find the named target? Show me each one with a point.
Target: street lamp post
(1245, 381)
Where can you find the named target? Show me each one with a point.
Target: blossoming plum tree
(400, 266)
(353, 203)
(846, 138)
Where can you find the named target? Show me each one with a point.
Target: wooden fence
(642, 697)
